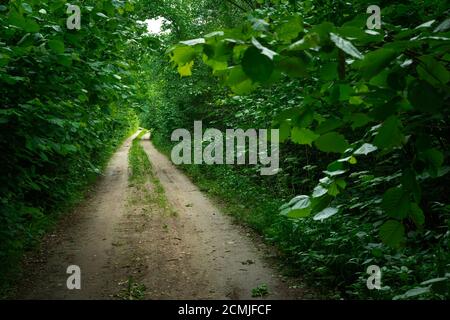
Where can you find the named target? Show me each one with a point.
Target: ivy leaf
(390, 134)
(345, 46)
(396, 203)
(326, 213)
(332, 142)
(392, 233)
(303, 136)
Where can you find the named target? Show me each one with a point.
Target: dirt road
(128, 245)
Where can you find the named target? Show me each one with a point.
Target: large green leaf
(430, 70)
(416, 215)
(392, 233)
(331, 142)
(365, 149)
(396, 203)
(346, 46)
(376, 61)
(293, 66)
(301, 207)
(238, 81)
(289, 28)
(57, 46)
(424, 97)
(303, 136)
(257, 66)
(183, 54)
(390, 134)
(326, 213)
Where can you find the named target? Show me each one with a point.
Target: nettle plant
(368, 95)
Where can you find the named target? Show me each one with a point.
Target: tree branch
(236, 5)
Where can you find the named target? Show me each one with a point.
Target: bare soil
(129, 246)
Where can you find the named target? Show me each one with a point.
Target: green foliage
(63, 111)
(260, 291)
(363, 117)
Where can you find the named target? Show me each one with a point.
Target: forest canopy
(362, 113)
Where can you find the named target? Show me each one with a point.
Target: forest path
(131, 243)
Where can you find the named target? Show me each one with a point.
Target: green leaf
(183, 54)
(301, 208)
(392, 233)
(444, 26)
(102, 15)
(333, 189)
(309, 41)
(329, 71)
(376, 61)
(434, 160)
(416, 215)
(293, 67)
(346, 46)
(413, 293)
(359, 120)
(332, 142)
(365, 149)
(326, 213)
(424, 97)
(238, 81)
(390, 134)
(186, 70)
(27, 7)
(56, 46)
(285, 131)
(409, 183)
(303, 136)
(265, 51)
(65, 60)
(396, 203)
(432, 71)
(193, 42)
(319, 191)
(290, 28)
(256, 65)
(329, 125)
